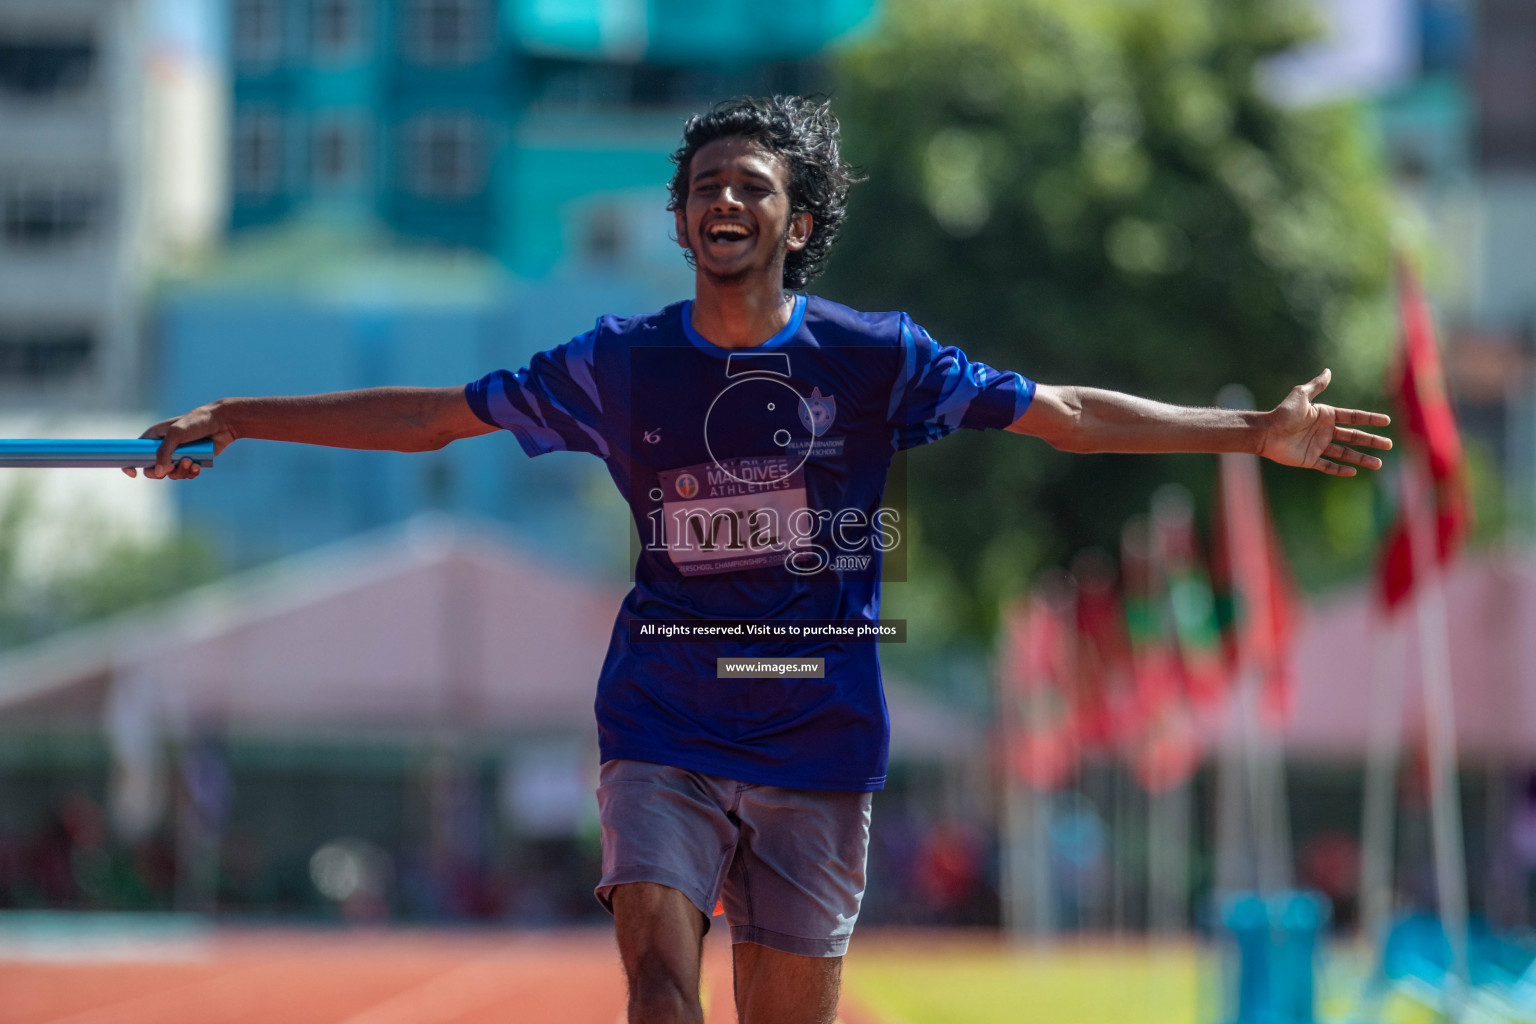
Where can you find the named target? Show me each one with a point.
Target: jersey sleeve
(938, 390)
(551, 405)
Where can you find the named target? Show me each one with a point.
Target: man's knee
(650, 916)
(659, 992)
(660, 935)
(776, 986)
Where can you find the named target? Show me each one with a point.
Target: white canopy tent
(1491, 604)
(435, 626)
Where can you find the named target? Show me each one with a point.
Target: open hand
(1308, 434)
(203, 422)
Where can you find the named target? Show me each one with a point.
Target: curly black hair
(801, 131)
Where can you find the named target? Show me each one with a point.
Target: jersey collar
(774, 342)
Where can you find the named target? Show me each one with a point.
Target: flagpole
(1258, 763)
(1235, 856)
(1440, 730)
(1183, 588)
(1266, 779)
(1057, 594)
(1028, 897)
(1263, 805)
(1016, 887)
(1436, 514)
(1014, 814)
(1122, 854)
(1378, 829)
(1027, 911)
(1168, 814)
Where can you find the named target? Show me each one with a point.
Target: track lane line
(447, 996)
(149, 1006)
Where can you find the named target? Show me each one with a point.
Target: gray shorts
(788, 864)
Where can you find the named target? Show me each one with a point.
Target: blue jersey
(755, 479)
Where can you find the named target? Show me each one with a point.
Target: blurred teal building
(425, 190)
(486, 125)
(320, 305)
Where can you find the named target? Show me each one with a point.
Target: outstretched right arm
(378, 419)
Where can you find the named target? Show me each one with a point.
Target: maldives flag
(1162, 745)
(1106, 689)
(1039, 687)
(1417, 384)
(1255, 577)
(1154, 656)
(1191, 602)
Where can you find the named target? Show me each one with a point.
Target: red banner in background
(1040, 691)
(1087, 666)
(1161, 743)
(1416, 382)
(1106, 685)
(1252, 571)
(1191, 602)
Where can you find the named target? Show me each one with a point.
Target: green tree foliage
(121, 573)
(1097, 192)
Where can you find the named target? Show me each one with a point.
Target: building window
(447, 31)
(38, 68)
(44, 355)
(338, 149)
(576, 85)
(1505, 78)
(338, 29)
(258, 31)
(446, 156)
(258, 156)
(605, 238)
(39, 214)
(568, 83)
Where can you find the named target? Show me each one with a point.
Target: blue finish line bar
(78, 453)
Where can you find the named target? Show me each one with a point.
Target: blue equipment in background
(1272, 977)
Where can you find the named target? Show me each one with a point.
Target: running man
(751, 430)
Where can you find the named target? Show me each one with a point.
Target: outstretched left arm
(1297, 432)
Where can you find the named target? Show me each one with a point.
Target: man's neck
(740, 316)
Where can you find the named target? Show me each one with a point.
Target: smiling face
(737, 220)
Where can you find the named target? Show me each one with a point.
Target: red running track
(344, 977)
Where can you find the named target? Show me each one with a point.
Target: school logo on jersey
(818, 412)
(687, 486)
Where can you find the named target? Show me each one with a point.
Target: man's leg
(783, 988)
(792, 896)
(661, 940)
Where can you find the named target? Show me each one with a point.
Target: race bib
(733, 514)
